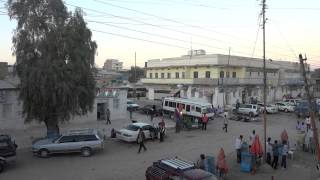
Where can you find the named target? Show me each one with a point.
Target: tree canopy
(54, 60)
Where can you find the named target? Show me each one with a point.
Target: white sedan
(270, 108)
(286, 107)
(130, 133)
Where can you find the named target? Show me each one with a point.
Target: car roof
(140, 124)
(86, 131)
(176, 163)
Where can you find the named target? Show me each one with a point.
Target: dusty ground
(120, 160)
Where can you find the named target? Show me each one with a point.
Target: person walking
(284, 154)
(238, 146)
(269, 150)
(140, 140)
(205, 120)
(275, 151)
(225, 123)
(108, 116)
(162, 127)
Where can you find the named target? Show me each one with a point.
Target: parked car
(292, 102)
(147, 109)
(303, 108)
(249, 109)
(270, 108)
(132, 105)
(285, 106)
(7, 151)
(176, 169)
(85, 141)
(130, 133)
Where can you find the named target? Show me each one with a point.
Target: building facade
(113, 65)
(315, 76)
(221, 79)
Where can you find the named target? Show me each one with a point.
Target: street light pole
(264, 75)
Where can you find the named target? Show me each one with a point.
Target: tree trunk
(52, 127)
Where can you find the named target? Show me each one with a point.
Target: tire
(286, 110)
(86, 152)
(1, 166)
(251, 114)
(44, 153)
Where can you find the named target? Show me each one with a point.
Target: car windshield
(132, 127)
(56, 138)
(129, 102)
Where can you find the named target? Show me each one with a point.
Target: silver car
(85, 141)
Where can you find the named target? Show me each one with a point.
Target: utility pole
(264, 75)
(311, 105)
(135, 66)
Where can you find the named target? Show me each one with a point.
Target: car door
(242, 109)
(65, 144)
(146, 129)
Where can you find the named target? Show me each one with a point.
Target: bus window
(188, 108)
(198, 109)
(174, 104)
(204, 110)
(166, 103)
(170, 104)
(192, 108)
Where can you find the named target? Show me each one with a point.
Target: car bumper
(10, 159)
(126, 138)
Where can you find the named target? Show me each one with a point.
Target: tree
(139, 74)
(54, 60)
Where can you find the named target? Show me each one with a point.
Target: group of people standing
(305, 128)
(277, 150)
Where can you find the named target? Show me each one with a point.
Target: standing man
(238, 147)
(130, 111)
(162, 127)
(275, 151)
(225, 123)
(237, 106)
(140, 140)
(108, 116)
(269, 150)
(153, 112)
(308, 122)
(284, 154)
(205, 120)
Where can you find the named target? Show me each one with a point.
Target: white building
(221, 79)
(113, 65)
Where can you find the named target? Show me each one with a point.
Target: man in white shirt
(238, 148)
(308, 122)
(269, 150)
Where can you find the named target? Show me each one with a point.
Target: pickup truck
(7, 151)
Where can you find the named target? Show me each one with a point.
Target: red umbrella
(222, 164)
(256, 147)
(284, 136)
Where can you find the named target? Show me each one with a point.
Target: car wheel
(44, 153)
(251, 114)
(286, 110)
(86, 152)
(1, 166)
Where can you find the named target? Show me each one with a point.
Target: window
(234, 74)
(166, 103)
(174, 104)
(221, 74)
(168, 75)
(207, 74)
(156, 75)
(195, 74)
(87, 138)
(188, 108)
(66, 139)
(177, 75)
(227, 74)
(150, 75)
(170, 104)
(183, 75)
(250, 73)
(162, 75)
(198, 109)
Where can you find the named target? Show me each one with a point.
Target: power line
(175, 21)
(255, 43)
(125, 36)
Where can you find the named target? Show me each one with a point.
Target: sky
(157, 29)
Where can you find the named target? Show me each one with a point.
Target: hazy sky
(169, 28)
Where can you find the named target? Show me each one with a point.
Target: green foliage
(54, 60)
